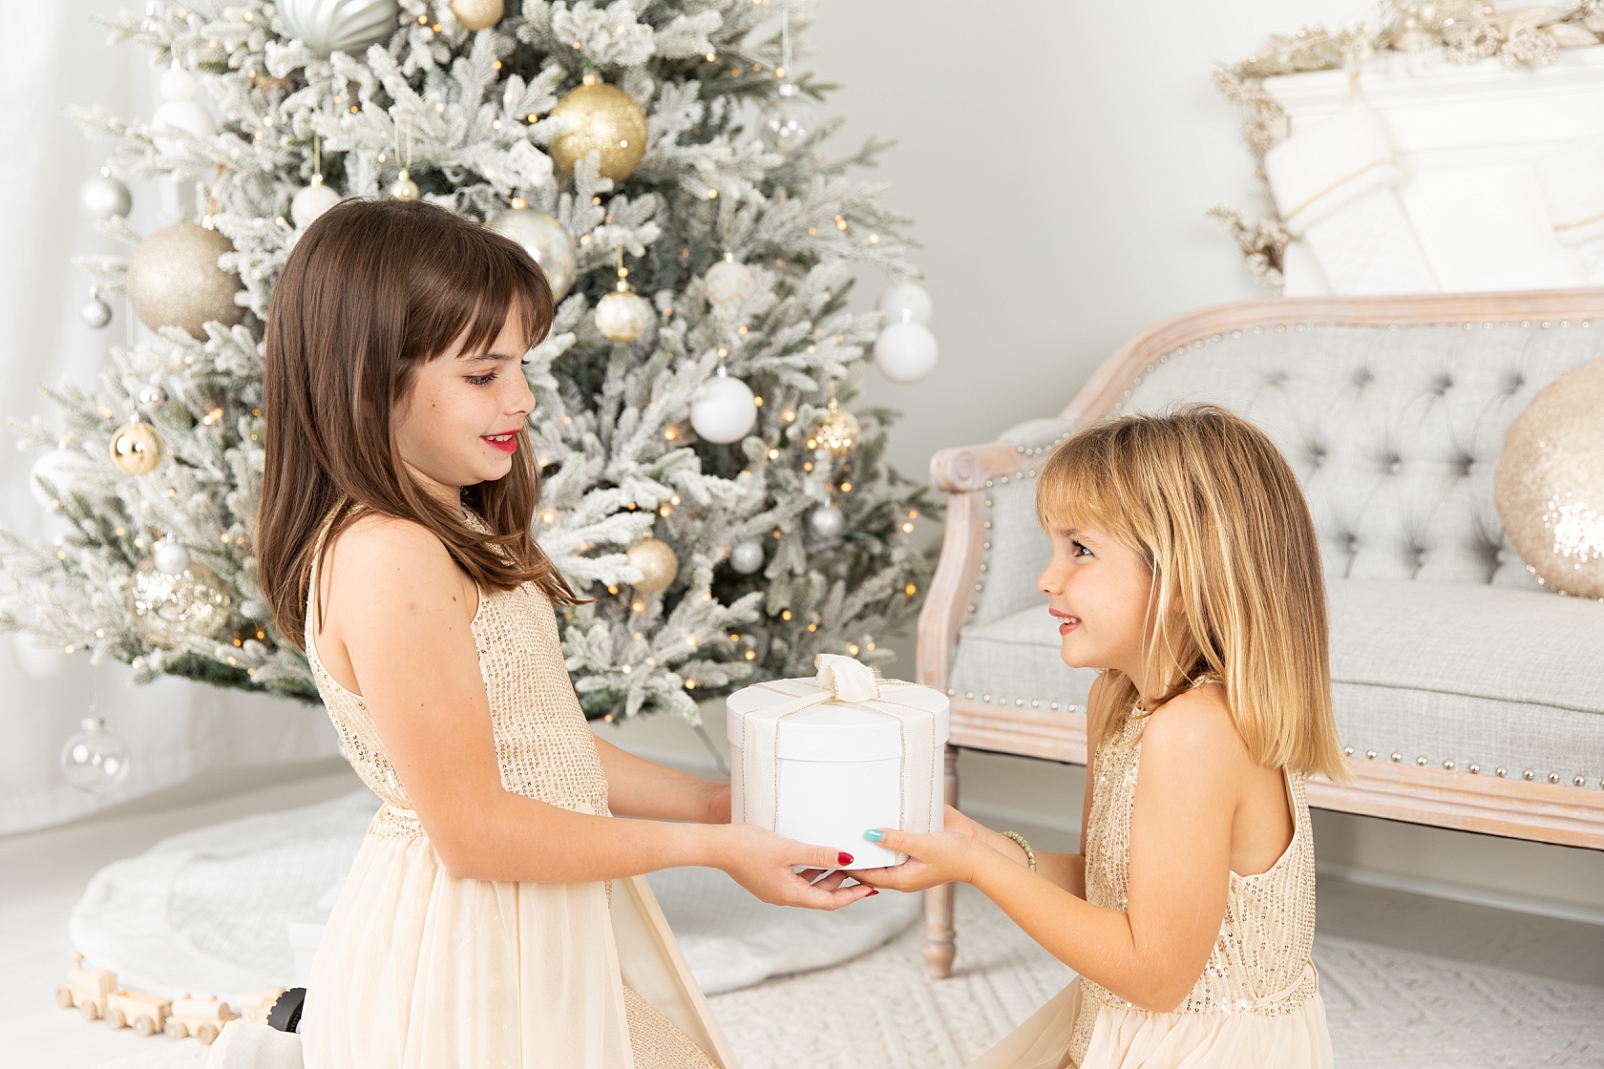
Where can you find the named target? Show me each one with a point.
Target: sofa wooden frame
(1570, 815)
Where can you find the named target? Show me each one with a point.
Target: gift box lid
(836, 731)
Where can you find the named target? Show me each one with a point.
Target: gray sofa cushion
(1472, 674)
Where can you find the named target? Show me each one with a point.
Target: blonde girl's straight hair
(1238, 587)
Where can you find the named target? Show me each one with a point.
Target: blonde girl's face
(458, 424)
(1098, 591)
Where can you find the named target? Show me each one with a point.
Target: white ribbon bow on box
(845, 681)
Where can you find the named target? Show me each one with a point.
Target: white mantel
(1465, 137)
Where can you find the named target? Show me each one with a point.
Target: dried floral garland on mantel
(1464, 31)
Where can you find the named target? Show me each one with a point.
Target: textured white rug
(1387, 1009)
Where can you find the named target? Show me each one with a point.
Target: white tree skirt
(212, 910)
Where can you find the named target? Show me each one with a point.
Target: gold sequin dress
(419, 969)
(1256, 1005)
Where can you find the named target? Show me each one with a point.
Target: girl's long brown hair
(1238, 586)
(373, 289)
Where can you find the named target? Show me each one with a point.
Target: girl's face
(1098, 593)
(458, 424)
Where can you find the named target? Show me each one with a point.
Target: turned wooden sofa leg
(940, 942)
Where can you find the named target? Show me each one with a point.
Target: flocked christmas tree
(703, 479)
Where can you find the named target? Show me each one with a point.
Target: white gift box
(823, 760)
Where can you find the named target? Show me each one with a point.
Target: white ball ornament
(827, 521)
(545, 240)
(622, 316)
(177, 87)
(905, 352)
(62, 469)
(339, 25)
(170, 557)
(102, 197)
(746, 557)
(723, 410)
(312, 202)
(36, 661)
(729, 285)
(906, 303)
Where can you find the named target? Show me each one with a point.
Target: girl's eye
(482, 380)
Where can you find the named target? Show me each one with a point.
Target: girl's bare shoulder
(1195, 727)
(390, 557)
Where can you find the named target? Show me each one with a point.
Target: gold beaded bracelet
(1030, 855)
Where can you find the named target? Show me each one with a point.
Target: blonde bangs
(1238, 584)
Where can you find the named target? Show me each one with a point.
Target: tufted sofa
(1467, 696)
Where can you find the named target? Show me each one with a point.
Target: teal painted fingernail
(874, 835)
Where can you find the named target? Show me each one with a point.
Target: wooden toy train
(94, 993)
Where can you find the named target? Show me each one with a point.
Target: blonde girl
(1185, 566)
(490, 918)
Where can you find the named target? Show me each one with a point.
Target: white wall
(1057, 159)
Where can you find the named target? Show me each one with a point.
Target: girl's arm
(1180, 840)
(398, 610)
(638, 788)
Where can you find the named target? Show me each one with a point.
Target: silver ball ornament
(95, 758)
(729, 286)
(746, 556)
(723, 410)
(103, 197)
(905, 352)
(174, 280)
(150, 398)
(547, 243)
(312, 202)
(787, 124)
(827, 521)
(657, 564)
(348, 26)
(96, 312)
(622, 316)
(167, 609)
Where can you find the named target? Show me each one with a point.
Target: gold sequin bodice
(1261, 961)
(543, 746)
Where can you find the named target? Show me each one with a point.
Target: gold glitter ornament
(166, 609)
(657, 563)
(136, 448)
(1549, 485)
(603, 119)
(404, 188)
(839, 433)
(477, 14)
(174, 280)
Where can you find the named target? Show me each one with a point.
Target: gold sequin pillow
(1549, 486)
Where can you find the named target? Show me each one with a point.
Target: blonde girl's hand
(934, 859)
(764, 863)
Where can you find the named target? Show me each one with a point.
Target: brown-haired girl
(488, 919)
(1185, 566)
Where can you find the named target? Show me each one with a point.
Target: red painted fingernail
(872, 892)
(843, 858)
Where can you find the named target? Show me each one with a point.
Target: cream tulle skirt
(1128, 1038)
(420, 969)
